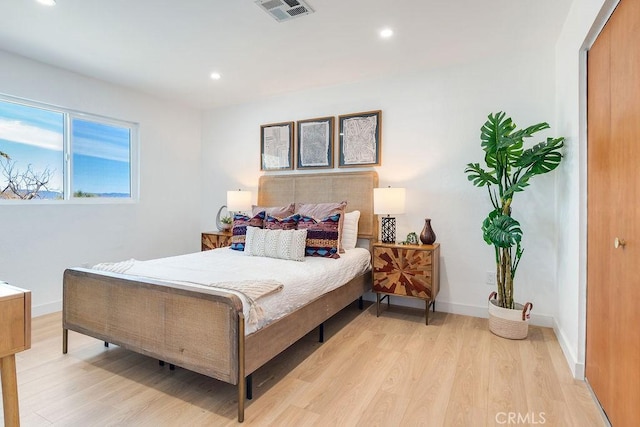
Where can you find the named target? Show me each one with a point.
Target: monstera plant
(508, 170)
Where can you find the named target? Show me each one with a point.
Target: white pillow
(282, 244)
(350, 230)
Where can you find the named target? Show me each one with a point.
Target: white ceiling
(169, 48)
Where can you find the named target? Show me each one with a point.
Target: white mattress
(303, 281)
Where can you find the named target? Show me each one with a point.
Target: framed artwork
(360, 142)
(315, 143)
(276, 146)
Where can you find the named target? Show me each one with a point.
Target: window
(52, 153)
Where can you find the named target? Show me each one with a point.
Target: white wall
(585, 19)
(38, 241)
(431, 128)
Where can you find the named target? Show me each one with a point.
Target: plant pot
(509, 323)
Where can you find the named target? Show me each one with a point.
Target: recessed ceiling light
(386, 33)
(215, 76)
(47, 2)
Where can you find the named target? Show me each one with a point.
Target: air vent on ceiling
(284, 10)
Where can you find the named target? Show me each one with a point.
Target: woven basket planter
(509, 323)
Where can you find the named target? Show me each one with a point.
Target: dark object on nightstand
(428, 236)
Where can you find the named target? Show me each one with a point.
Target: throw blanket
(252, 290)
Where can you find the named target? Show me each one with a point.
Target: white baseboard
(42, 309)
(576, 367)
(465, 310)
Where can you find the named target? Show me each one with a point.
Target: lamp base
(388, 232)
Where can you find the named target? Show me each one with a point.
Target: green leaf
(519, 185)
(502, 147)
(528, 132)
(501, 230)
(487, 222)
(493, 134)
(479, 176)
(543, 157)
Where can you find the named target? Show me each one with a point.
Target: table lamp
(388, 201)
(237, 201)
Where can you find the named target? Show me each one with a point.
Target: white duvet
(302, 281)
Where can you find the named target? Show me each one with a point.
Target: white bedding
(302, 281)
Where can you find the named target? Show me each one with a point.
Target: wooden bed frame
(173, 323)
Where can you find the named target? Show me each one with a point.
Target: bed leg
(426, 313)
(172, 367)
(360, 303)
(321, 332)
(106, 344)
(249, 386)
(65, 340)
(161, 362)
(241, 377)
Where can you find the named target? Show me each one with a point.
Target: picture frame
(314, 148)
(360, 139)
(276, 146)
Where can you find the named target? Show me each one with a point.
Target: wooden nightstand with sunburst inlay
(215, 239)
(406, 271)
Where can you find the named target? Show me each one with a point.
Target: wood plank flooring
(386, 371)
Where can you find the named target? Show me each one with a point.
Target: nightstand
(215, 239)
(406, 271)
(15, 323)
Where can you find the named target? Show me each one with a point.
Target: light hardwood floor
(386, 371)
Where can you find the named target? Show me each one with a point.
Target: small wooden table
(216, 239)
(406, 271)
(15, 324)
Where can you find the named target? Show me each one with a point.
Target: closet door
(613, 215)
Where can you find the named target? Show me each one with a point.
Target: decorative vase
(427, 236)
(509, 323)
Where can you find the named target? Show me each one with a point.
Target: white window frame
(68, 116)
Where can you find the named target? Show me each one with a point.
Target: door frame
(602, 18)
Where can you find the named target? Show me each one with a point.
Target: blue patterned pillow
(322, 235)
(239, 231)
(275, 223)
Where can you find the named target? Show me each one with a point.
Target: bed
(203, 330)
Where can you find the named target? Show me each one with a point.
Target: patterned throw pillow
(275, 223)
(282, 244)
(239, 231)
(279, 211)
(323, 210)
(322, 235)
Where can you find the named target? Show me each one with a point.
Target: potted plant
(225, 222)
(509, 168)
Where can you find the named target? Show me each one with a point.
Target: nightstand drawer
(406, 271)
(215, 239)
(403, 271)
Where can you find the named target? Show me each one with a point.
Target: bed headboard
(354, 187)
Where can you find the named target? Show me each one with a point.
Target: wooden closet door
(613, 211)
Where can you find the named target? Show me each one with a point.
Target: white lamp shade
(238, 201)
(388, 201)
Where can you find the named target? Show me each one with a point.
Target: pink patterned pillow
(324, 210)
(322, 236)
(275, 223)
(279, 211)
